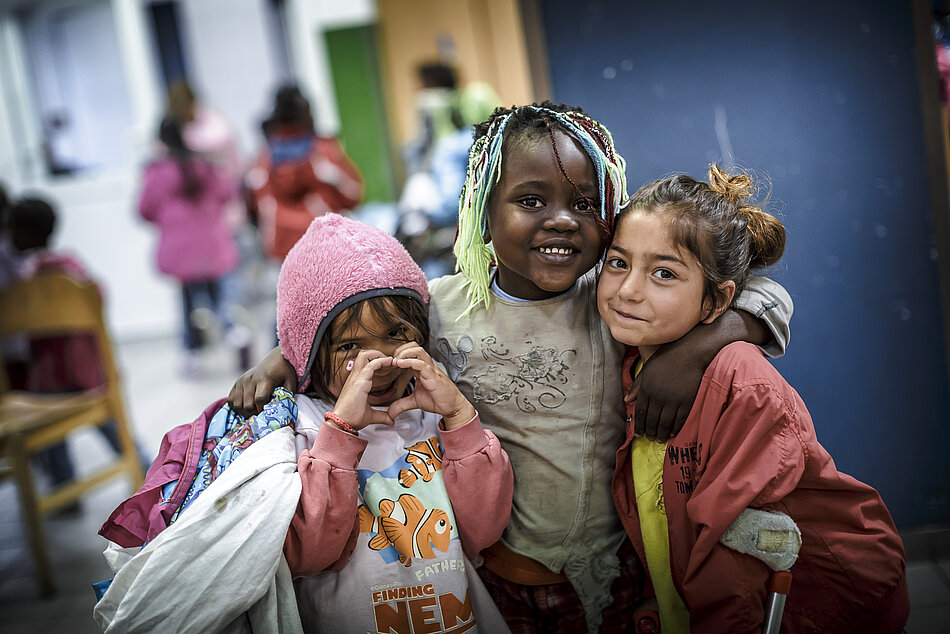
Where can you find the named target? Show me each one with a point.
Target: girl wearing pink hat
(397, 471)
(399, 485)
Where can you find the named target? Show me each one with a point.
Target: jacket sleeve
(332, 167)
(323, 531)
(479, 481)
(224, 187)
(769, 301)
(153, 194)
(755, 456)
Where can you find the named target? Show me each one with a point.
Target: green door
(359, 96)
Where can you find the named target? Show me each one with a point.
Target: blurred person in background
(208, 135)
(435, 104)
(187, 197)
(9, 262)
(52, 364)
(204, 130)
(428, 205)
(298, 176)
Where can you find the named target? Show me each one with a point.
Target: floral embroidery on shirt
(455, 360)
(530, 379)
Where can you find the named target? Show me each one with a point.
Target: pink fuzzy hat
(335, 264)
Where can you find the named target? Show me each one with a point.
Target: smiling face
(650, 290)
(543, 228)
(370, 330)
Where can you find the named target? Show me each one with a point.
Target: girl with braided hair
(681, 252)
(517, 329)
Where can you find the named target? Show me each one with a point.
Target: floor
(159, 397)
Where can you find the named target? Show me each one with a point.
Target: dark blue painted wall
(823, 98)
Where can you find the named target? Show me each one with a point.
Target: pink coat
(195, 240)
(749, 441)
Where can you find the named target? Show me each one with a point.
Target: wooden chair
(47, 305)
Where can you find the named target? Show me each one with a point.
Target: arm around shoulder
(479, 481)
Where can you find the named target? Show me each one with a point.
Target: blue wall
(822, 98)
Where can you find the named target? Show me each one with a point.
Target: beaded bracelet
(339, 422)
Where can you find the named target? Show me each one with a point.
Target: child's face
(543, 229)
(650, 291)
(368, 332)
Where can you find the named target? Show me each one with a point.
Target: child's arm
(323, 531)
(332, 167)
(154, 191)
(476, 470)
(253, 389)
(669, 381)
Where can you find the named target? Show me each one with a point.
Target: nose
(561, 219)
(631, 289)
(389, 347)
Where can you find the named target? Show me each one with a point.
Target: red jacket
(750, 442)
(298, 177)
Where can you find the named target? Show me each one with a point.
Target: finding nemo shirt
(408, 572)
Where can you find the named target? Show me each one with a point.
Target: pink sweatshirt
(324, 531)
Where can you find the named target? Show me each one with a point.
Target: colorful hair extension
(473, 256)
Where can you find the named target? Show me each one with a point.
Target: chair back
(51, 304)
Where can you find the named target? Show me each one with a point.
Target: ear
(727, 290)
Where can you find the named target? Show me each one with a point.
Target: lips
(554, 251)
(626, 316)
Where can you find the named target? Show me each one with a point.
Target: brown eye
(616, 263)
(585, 204)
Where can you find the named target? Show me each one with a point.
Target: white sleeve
(769, 301)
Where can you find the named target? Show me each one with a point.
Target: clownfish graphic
(411, 528)
(369, 523)
(425, 458)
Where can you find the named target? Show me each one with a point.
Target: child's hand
(253, 389)
(664, 391)
(435, 392)
(353, 403)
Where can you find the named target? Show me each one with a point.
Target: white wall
(233, 63)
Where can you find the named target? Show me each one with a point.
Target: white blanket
(220, 566)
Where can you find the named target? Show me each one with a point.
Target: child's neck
(499, 291)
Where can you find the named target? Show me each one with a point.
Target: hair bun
(735, 187)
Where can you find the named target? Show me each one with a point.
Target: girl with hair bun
(681, 252)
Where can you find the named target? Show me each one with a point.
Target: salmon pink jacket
(749, 441)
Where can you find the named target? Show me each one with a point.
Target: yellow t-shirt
(647, 459)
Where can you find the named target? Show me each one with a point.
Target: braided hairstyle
(507, 125)
(717, 222)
